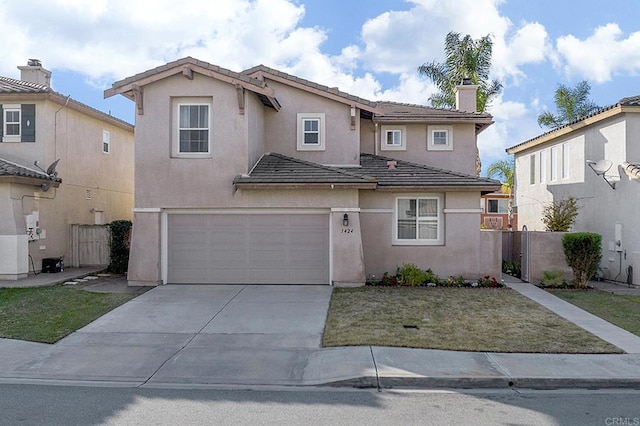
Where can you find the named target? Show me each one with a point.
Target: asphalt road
(46, 405)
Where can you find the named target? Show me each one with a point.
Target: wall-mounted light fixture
(600, 168)
(345, 220)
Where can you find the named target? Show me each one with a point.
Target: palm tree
(504, 170)
(571, 103)
(464, 58)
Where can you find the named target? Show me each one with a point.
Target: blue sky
(369, 48)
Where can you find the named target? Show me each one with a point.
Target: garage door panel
(249, 248)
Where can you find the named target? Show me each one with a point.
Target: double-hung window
(418, 220)
(106, 141)
(192, 136)
(439, 138)
(12, 122)
(311, 132)
(17, 123)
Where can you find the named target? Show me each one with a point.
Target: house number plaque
(347, 230)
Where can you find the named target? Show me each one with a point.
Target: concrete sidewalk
(247, 336)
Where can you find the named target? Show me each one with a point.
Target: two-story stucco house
(264, 177)
(596, 160)
(61, 163)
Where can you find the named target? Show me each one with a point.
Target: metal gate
(89, 245)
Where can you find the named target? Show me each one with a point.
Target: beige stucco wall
(91, 179)
(466, 251)
(546, 254)
(342, 142)
(461, 159)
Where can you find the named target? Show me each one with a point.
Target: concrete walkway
(247, 336)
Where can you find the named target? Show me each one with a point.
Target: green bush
(512, 268)
(410, 274)
(582, 251)
(552, 279)
(560, 215)
(119, 244)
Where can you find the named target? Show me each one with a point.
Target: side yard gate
(89, 245)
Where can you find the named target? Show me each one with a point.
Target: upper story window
(393, 138)
(18, 123)
(192, 136)
(553, 175)
(532, 169)
(311, 132)
(440, 138)
(543, 166)
(418, 220)
(106, 140)
(565, 160)
(498, 205)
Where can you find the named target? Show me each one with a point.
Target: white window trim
(543, 166)
(320, 146)
(565, 160)
(439, 241)
(175, 143)
(553, 176)
(5, 109)
(384, 130)
(106, 142)
(431, 146)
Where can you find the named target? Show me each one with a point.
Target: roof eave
(437, 188)
(33, 181)
(274, 185)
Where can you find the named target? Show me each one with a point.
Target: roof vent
(466, 81)
(34, 63)
(391, 165)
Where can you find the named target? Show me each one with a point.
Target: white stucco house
(596, 160)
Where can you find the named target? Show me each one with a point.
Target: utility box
(52, 264)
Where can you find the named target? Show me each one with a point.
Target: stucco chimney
(34, 73)
(466, 96)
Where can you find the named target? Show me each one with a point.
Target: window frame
(503, 201)
(553, 154)
(532, 169)
(565, 160)
(432, 146)
(438, 220)
(303, 117)
(384, 132)
(13, 108)
(177, 103)
(106, 142)
(543, 166)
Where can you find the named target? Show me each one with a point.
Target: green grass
(621, 310)
(47, 314)
(485, 320)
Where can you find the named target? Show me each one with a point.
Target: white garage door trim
(164, 231)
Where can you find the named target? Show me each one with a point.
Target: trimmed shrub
(410, 274)
(582, 251)
(119, 244)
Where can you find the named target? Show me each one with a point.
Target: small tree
(582, 251)
(559, 216)
(119, 244)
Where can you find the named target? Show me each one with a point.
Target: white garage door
(248, 248)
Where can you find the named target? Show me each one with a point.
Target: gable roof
(276, 170)
(13, 172)
(25, 90)
(628, 104)
(187, 66)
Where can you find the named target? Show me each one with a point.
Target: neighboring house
(264, 177)
(61, 163)
(596, 160)
(495, 212)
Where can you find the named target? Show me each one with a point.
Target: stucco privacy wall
(546, 254)
(147, 256)
(466, 251)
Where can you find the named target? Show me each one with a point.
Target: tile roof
(374, 172)
(406, 174)
(411, 111)
(631, 101)
(632, 170)
(9, 168)
(278, 169)
(9, 85)
(310, 84)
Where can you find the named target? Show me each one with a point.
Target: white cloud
(600, 55)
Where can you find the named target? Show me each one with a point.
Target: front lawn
(47, 314)
(621, 310)
(484, 320)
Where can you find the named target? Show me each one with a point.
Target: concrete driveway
(196, 334)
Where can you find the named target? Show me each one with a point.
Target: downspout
(55, 127)
(375, 138)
